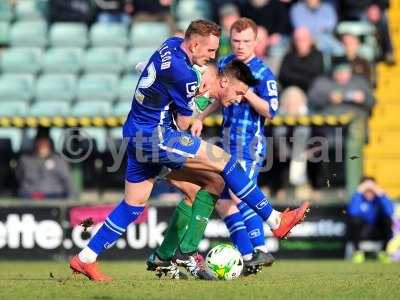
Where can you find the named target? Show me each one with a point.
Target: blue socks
(245, 189)
(254, 225)
(239, 236)
(114, 226)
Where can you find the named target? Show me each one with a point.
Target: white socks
(247, 257)
(274, 219)
(87, 256)
(262, 248)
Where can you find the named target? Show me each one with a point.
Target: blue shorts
(168, 148)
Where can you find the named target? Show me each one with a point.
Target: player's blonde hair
(204, 28)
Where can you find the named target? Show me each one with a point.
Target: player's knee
(190, 192)
(214, 184)
(213, 157)
(225, 208)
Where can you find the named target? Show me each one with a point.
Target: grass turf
(289, 279)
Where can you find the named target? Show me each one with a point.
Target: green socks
(175, 231)
(202, 208)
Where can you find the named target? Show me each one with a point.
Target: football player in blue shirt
(243, 136)
(162, 99)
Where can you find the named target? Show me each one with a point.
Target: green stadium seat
(68, 35)
(63, 60)
(93, 108)
(16, 87)
(108, 35)
(4, 33)
(127, 87)
(21, 60)
(50, 87)
(149, 34)
(122, 108)
(15, 137)
(13, 108)
(28, 34)
(101, 60)
(27, 10)
(50, 108)
(189, 10)
(6, 11)
(137, 55)
(355, 27)
(98, 87)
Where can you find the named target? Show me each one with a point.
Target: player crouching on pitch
(163, 95)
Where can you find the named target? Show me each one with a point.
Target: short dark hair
(366, 178)
(241, 71)
(204, 28)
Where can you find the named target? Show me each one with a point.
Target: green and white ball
(224, 262)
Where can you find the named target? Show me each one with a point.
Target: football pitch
(287, 279)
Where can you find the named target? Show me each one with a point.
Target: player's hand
(358, 96)
(336, 97)
(197, 127)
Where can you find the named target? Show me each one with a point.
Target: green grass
(284, 280)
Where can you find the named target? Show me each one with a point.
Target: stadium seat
(97, 87)
(191, 10)
(50, 108)
(93, 108)
(101, 60)
(127, 87)
(21, 60)
(16, 87)
(63, 60)
(122, 108)
(6, 11)
(4, 33)
(27, 10)
(14, 135)
(68, 35)
(108, 35)
(356, 28)
(28, 34)
(137, 55)
(149, 34)
(13, 108)
(50, 87)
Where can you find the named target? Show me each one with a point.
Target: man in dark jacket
(303, 63)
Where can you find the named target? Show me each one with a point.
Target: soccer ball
(224, 262)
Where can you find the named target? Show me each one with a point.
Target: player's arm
(259, 104)
(182, 89)
(183, 122)
(264, 97)
(197, 126)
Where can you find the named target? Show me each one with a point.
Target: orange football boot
(290, 218)
(91, 271)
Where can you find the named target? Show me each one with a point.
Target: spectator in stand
(151, 10)
(71, 11)
(265, 52)
(290, 167)
(342, 93)
(44, 174)
(228, 14)
(369, 217)
(303, 63)
(360, 66)
(273, 16)
(113, 11)
(320, 19)
(351, 10)
(375, 15)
